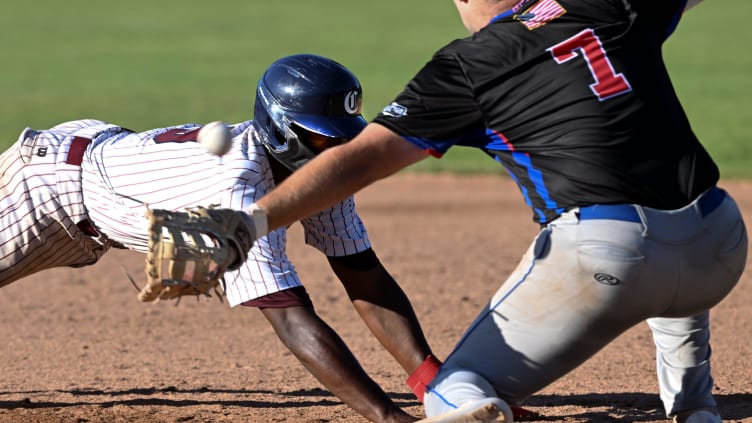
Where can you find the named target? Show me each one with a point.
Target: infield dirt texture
(78, 347)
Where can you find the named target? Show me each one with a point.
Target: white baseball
(215, 137)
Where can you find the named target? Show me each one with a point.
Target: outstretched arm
(338, 173)
(387, 312)
(325, 355)
(383, 306)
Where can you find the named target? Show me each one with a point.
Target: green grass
(145, 64)
(712, 70)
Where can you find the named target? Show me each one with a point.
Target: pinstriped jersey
(572, 97)
(121, 172)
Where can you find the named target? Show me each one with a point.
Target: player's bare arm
(383, 306)
(338, 173)
(325, 355)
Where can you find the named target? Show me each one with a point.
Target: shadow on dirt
(632, 407)
(171, 396)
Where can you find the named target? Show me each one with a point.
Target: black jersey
(572, 97)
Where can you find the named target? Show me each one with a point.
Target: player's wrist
(259, 220)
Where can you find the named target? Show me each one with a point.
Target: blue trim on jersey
(537, 177)
(523, 189)
(489, 139)
(526, 195)
(675, 20)
(502, 15)
(500, 143)
(435, 148)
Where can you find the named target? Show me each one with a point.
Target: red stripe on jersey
(435, 153)
(509, 146)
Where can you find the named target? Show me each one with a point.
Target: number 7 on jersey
(608, 83)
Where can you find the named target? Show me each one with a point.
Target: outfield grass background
(151, 63)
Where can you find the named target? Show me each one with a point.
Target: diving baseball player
(71, 192)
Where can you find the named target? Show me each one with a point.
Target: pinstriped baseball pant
(36, 231)
(581, 284)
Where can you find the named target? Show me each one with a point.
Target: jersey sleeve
(437, 109)
(266, 271)
(337, 231)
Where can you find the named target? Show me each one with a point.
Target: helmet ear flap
(291, 136)
(293, 153)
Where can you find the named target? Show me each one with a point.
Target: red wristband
(423, 375)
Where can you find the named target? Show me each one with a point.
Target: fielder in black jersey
(574, 100)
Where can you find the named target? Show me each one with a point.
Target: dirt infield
(78, 347)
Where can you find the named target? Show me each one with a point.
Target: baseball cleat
(486, 410)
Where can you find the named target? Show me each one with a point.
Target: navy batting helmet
(304, 104)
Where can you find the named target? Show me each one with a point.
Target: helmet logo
(351, 102)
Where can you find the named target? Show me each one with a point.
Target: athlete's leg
(683, 362)
(579, 286)
(713, 261)
(321, 350)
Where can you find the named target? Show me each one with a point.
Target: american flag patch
(542, 13)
